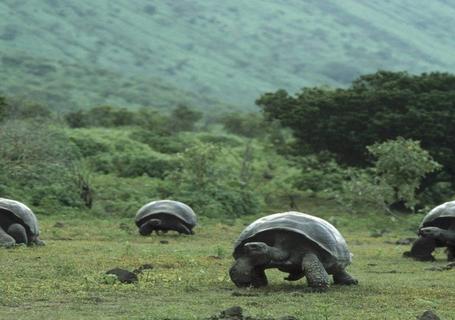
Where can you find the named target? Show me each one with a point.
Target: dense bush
(15, 109)
(375, 108)
(110, 117)
(393, 180)
(210, 181)
(163, 143)
(38, 164)
(110, 151)
(244, 124)
(401, 164)
(320, 173)
(183, 118)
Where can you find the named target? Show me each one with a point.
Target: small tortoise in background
(437, 229)
(18, 224)
(165, 215)
(296, 243)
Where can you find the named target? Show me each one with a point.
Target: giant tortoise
(165, 215)
(296, 243)
(437, 229)
(18, 224)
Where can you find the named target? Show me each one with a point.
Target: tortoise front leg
(421, 249)
(18, 232)
(342, 277)
(5, 239)
(315, 272)
(147, 227)
(37, 241)
(258, 278)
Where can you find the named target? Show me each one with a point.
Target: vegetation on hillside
(376, 144)
(77, 54)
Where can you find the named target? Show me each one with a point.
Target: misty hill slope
(209, 51)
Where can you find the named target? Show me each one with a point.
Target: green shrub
(183, 118)
(401, 164)
(244, 124)
(210, 181)
(168, 144)
(133, 165)
(37, 161)
(374, 109)
(394, 179)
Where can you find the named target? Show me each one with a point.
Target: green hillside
(75, 53)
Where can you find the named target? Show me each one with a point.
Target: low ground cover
(189, 279)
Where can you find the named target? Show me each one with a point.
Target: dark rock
(236, 313)
(59, 224)
(123, 275)
(232, 312)
(164, 241)
(428, 315)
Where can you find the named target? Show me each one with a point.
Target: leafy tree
(15, 109)
(393, 180)
(183, 119)
(401, 164)
(245, 124)
(37, 161)
(375, 108)
(209, 180)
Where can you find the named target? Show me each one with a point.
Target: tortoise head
(154, 222)
(259, 252)
(147, 227)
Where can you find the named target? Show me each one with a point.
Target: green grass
(64, 280)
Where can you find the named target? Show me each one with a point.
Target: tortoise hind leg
(421, 249)
(315, 272)
(181, 228)
(18, 232)
(344, 278)
(5, 239)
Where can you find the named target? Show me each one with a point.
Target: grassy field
(65, 279)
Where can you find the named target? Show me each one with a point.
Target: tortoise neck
(277, 254)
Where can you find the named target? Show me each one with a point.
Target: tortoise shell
(440, 216)
(20, 213)
(160, 208)
(311, 228)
